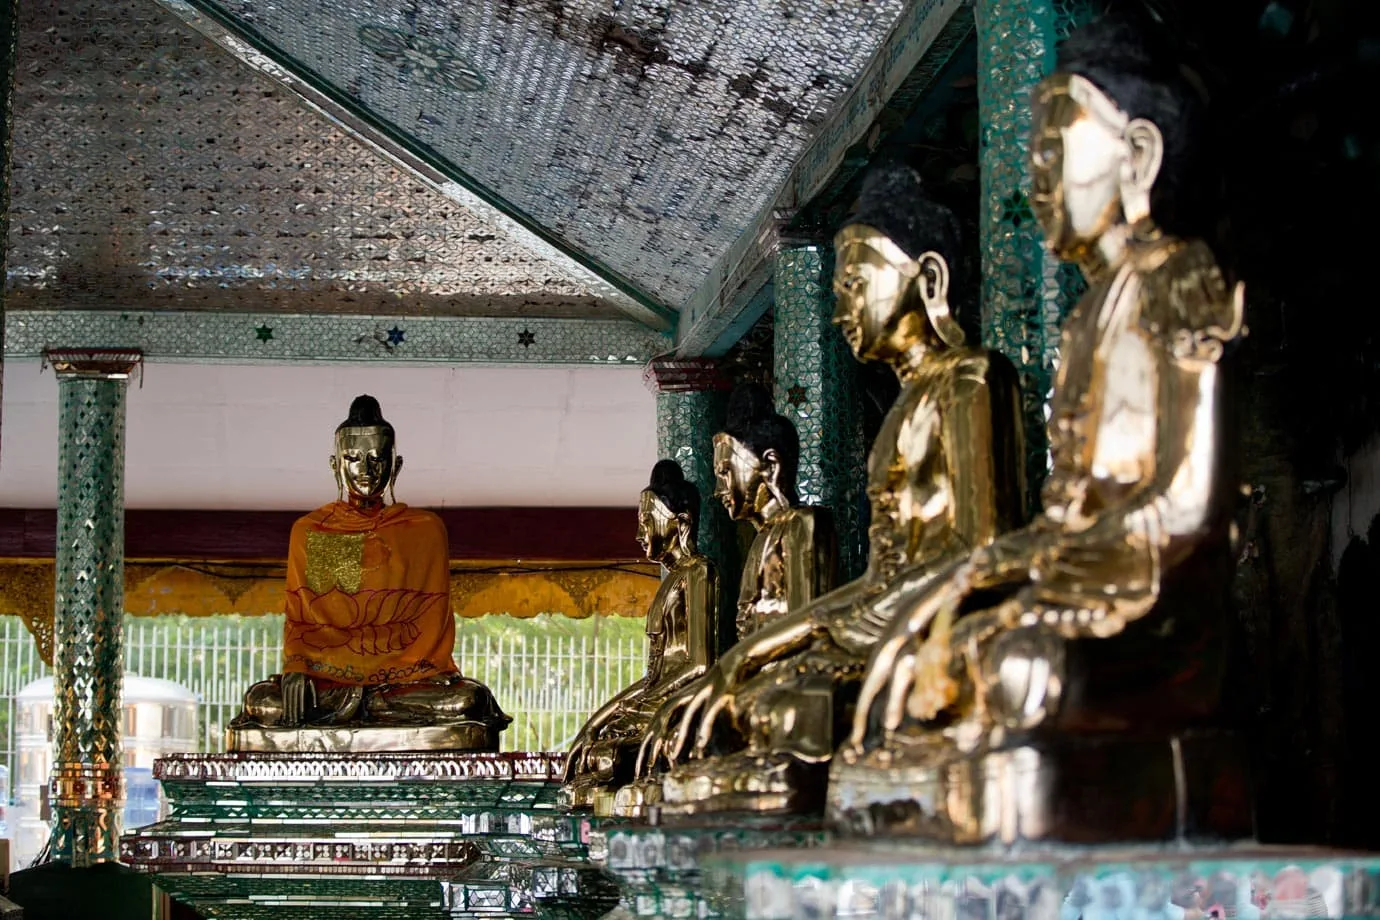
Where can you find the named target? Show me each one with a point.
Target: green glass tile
(1025, 291)
(89, 608)
(817, 388)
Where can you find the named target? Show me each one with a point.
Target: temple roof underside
(588, 160)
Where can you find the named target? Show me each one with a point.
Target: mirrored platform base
(660, 868)
(363, 739)
(890, 881)
(385, 835)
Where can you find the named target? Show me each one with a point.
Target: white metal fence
(548, 673)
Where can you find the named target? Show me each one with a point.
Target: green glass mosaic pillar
(1025, 291)
(817, 388)
(87, 788)
(691, 401)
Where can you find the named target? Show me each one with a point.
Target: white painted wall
(221, 436)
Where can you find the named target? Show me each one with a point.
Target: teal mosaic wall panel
(244, 338)
(87, 619)
(817, 389)
(686, 422)
(1025, 291)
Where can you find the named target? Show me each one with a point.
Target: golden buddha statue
(682, 627)
(943, 478)
(369, 634)
(793, 557)
(1066, 682)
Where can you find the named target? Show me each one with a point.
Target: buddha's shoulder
(419, 518)
(314, 519)
(974, 371)
(800, 522)
(805, 515)
(1185, 298)
(698, 565)
(335, 516)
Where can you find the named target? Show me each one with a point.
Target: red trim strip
(510, 534)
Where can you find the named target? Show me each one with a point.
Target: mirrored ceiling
(154, 171)
(642, 137)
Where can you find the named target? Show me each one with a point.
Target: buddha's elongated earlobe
(393, 477)
(339, 478)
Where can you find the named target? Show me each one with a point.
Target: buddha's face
(872, 277)
(364, 461)
(658, 528)
(1086, 160)
(738, 476)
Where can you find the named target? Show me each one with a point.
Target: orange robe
(368, 596)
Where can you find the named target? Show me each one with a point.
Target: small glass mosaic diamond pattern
(1025, 292)
(89, 604)
(153, 171)
(647, 136)
(817, 389)
(686, 422)
(287, 338)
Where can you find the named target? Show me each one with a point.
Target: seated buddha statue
(369, 632)
(757, 732)
(681, 641)
(792, 559)
(1066, 682)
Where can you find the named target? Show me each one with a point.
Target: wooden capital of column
(684, 375)
(97, 363)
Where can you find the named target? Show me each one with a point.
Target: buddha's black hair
(1128, 55)
(676, 492)
(365, 413)
(893, 200)
(754, 422)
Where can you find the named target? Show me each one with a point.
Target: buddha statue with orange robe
(369, 631)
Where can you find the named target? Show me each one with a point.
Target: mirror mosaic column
(817, 388)
(691, 402)
(87, 789)
(1025, 290)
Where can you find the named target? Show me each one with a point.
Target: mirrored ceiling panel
(643, 135)
(154, 171)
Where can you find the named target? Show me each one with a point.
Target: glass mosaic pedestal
(383, 836)
(895, 881)
(661, 869)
